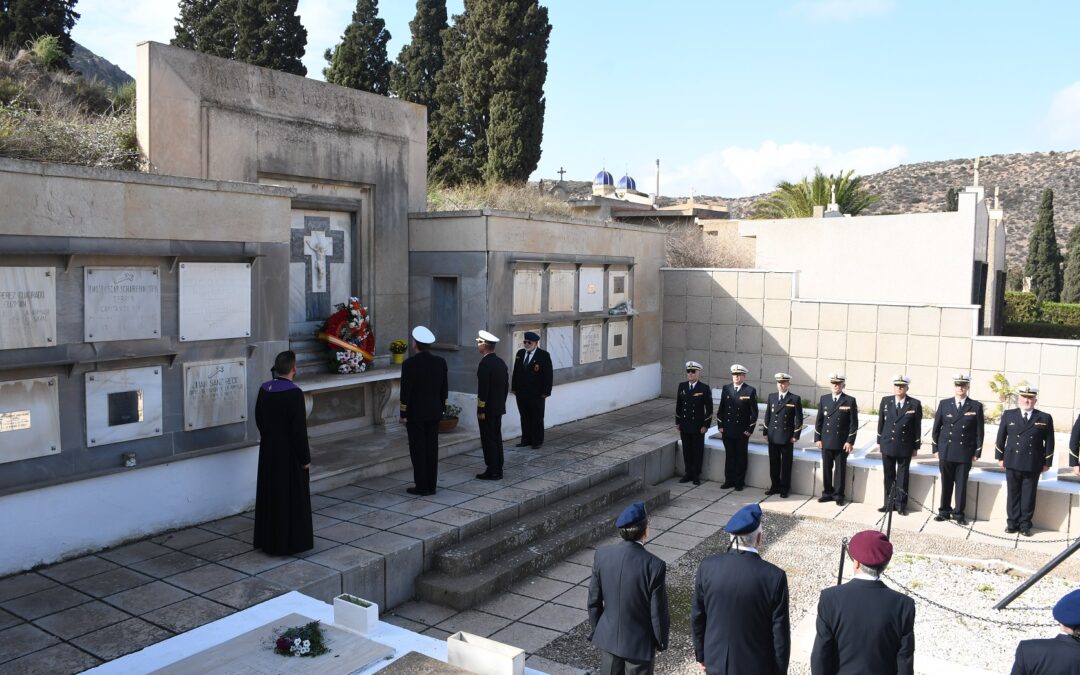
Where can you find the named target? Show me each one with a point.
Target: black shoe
(961, 521)
(903, 510)
(484, 476)
(1027, 532)
(738, 488)
(825, 498)
(697, 481)
(1011, 530)
(522, 444)
(771, 491)
(537, 446)
(414, 491)
(685, 479)
(783, 495)
(839, 501)
(938, 518)
(726, 485)
(883, 509)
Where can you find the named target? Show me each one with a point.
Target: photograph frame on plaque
(121, 303)
(590, 342)
(110, 399)
(214, 301)
(202, 409)
(618, 286)
(618, 339)
(27, 307)
(29, 418)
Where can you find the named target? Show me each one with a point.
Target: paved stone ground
(70, 616)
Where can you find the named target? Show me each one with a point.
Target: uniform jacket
(534, 380)
(693, 407)
(1025, 447)
(899, 430)
(424, 387)
(1074, 443)
(739, 616)
(837, 423)
(783, 418)
(491, 385)
(737, 414)
(958, 432)
(628, 604)
(864, 627)
(1055, 656)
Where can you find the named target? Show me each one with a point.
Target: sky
(733, 96)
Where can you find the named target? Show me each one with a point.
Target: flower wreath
(348, 333)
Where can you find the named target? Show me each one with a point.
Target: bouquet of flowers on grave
(306, 640)
(348, 334)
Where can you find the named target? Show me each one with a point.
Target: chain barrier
(1012, 538)
(933, 603)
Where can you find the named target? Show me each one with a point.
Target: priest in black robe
(282, 496)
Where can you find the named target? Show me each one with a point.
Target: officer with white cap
(424, 390)
(1054, 656)
(1025, 449)
(834, 433)
(736, 417)
(783, 424)
(958, 439)
(693, 416)
(492, 386)
(899, 435)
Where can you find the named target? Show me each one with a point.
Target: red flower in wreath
(348, 333)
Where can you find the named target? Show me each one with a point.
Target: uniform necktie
(1025, 417)
(528, 357)
(835, 399)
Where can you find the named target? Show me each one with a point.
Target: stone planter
(359, 618)
(447, 424)
(484, 656)
(397, 359)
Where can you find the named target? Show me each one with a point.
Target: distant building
(623, 202)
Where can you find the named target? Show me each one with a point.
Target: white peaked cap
(423, 335)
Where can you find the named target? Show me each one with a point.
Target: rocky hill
(93, 67)
(918, 188)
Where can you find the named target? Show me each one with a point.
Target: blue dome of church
(603, 178)
(627, 183)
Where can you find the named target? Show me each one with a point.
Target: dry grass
(688, 247)
(495, 196)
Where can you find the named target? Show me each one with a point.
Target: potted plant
(397, 351)
(449, 418)
(355, 613)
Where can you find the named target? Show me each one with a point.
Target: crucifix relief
(316, 245)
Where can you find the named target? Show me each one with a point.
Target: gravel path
(808, 550)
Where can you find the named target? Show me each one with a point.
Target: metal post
(888, 514)
(843, 554)
(1043, 571)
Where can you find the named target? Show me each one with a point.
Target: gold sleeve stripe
(481, 404)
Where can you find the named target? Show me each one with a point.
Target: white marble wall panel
(528, 284)
(591, 289)
(561, 289)
(560, 344)
(215, 301)
(618, 286)
(27, 307)
(121, 303)
(591, 342)
(215, 393)
(29, 419)
(123, 405)
(618, 337)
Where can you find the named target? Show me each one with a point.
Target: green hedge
(1061, 313)
(1042, 330)
(1021, 307)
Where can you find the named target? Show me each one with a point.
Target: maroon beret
(870, 547)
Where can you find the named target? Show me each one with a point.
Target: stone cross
(561, 171)
(318, 246)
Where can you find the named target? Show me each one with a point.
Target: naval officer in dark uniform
(957, 439)
(491, 389)
(1054, 656)
(628, 603)
(736, 417)
(864, 626)
(739, 617)
(834, 433)
(693, 415)
(899, 435)
(1074, 447)
(1025, 449)
(424, 388)
(783, 424)
(531, 385)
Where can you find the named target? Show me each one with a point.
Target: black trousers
(735, 457)
(693, 452)
(898, 470)
(833, 472)
(953, 475)
(617, 665)
(1021, 501)
(491, 441)
(531, 408)
(780, 457)
(424, 452)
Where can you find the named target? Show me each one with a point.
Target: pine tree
(952, 200)
(1071, 289)
(359, 61)
(269, 34)
(207, 26)
(22, 21)
(1044, 256)
(413, 76)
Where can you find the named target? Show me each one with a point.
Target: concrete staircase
(487, 564)
(312, 356)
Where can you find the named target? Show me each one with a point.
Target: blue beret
(531, 336)
(746, 520)
(633, 514)
(1067, 610)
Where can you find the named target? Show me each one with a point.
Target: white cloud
(842, 10)
(736, 171)
(1063, 120)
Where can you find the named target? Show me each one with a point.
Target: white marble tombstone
(123, 405)
(27, 307)
(215, 393)
(215, 301)
(591, 346)
(561, 289)
(618, 286)
(591, 289)
(121, 303)
(560, 344)
(618, 336)
(528, 284)
(29, 419)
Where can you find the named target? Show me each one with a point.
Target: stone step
(463, 591)
(482, 549)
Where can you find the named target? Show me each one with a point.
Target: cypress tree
(359, 61)
(952, 200)
(1044, 256)
(22, 21)
(413, 76)
(269, 34)
(455, 137)
(1070, 292)
(207, 26)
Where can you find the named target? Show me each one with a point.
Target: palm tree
(797, 200)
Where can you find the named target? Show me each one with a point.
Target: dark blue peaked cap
(532, 336)
(1067, 610)
(746, 520)
(633, 514)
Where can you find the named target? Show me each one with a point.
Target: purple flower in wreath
(283, 644)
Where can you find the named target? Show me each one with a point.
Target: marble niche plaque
(618, 335)
(215, 393)
(123, 405)
(561, 289)
(215, 301)
(560, 344)
(528, 284)
(618, 287)
(591, 289)
(592, 338)
(29, 419)
(121, 303)
(27, 307)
